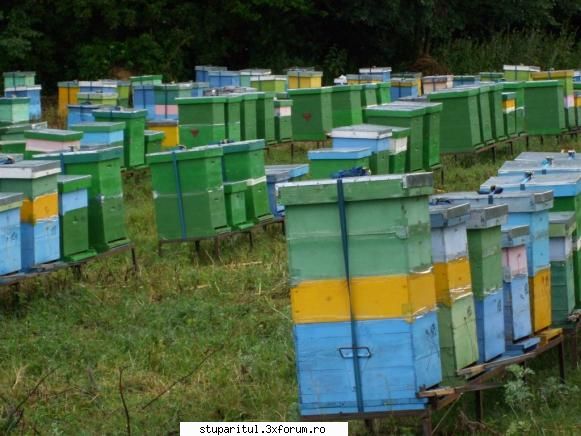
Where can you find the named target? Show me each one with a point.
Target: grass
(217, 331)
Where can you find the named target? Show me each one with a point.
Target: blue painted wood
(398, 92)
(280, 174)
(102, 138)
(218, 79)
(383, 74)
(33, 93)
(541, 156)
(562, 184)
(343, 153)
(490, 325)
(374, 137)
(81, 113)
(397, 359)
(40, 242)
(538, 248)
(103, 86)
(10, 240)
(517, 309)
(524, 345)
(203, 70)
(144, 98)
(371, 144)
(69, 201)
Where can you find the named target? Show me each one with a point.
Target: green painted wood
(379, 163)
(544, 114)
(484, 251)
(232, 112)
(235, 196)
(346, 105)
(312, 116)
(326, 168)
(496, 112)
(74, 229)
(243, 160)
(257, 206)
(265, 117)
(383, 92)
(484, 113)
(197, 135)
(369, 95)
(153, 140)
(562, 290)
(202, 110)
(248, 110)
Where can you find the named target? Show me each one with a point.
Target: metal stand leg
(217, 249)
(562, 361)
(511, 145)
(134, 259)
(292, 151)
(250, 240)
(198, 249)
(493, 154)
(77, 272)
(369, 426)
(527, 143)
(479, 404)
(427, 423)
(159, 245)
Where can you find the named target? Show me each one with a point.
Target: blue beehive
(202, 71)
(465, 80)
(280, 174)
(198, 88)
(10, 232)
(221, 78)
(33, 93)
(103, 86)
(401, 88)
(517, 304)
(100, 133)
(374, 137)
(81, 113)
(397, 359)
(144, 98)
(490, 325)
(381, 74)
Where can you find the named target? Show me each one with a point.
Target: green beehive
(383, 92)
(248, 109)
(484, 113)
(378, 208)
(562, 226)
(496, 113)
(491, 76)
(519, 89)
(14, 110)
(100, 98)
(123, 93)
(166, 93)
(202, 120)
(249, 74)
(398, 158)
(269, 83)
(393, 114)
(509, 113)
(12, 79)
(369, 95)
(235, 196)
(283, 128)
(133, 135)
(312, 113)
(346, 105)
(485, 253)
(544, 114)
(232, 112)
(150, 79)
(188, 192)
(459, 121)
(106, 209)
(244, 161)
(153, 140)
(519, 72)
(265, 117)
(74, 217)
(13, 147)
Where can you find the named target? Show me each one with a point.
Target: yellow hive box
(453, 280)
(42, 207)
(540, 291)
(548, 75)
(402, 296)
(509, 105)
(578, 100)
(67, 95)
(171, 131)
(304, 79)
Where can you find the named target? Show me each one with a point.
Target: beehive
(144, 98)
(380, 74)
(283, 128)
(232, 117)
(436, 83)
(517, 305)
(276, 174)
(415, 77)
(248, 112)
(198, 88)
(14, 109)
(578, 108)
(33, 93)
(170, 130)
(484, 113)
(403, 88)
(37, 181)
(369, 95)
(52, 140)
(123, 92)
(98, 98)
(10, 248)
(565, 79)
(106, 210)
(81, 113)
(459, 120)
(98, 86)
(153, 141)
(133, 139)
(202, 120)
(323, 301)
(74, 217)
(13, 132)
(249, 74)
(67, 94)
(219, 78)
(519, 72)
(100, 133)
(203, 70)
(298, 79)
(496, 111)
(165, 106)
(509, 113)
(464, 80)
(13, 79)
(13, 147)
(393, 114)
(312, 115)
(562, 228)
(326, 163)
(383, 92)
(544, 113)
(360, 79)
(490, 76)
(373, 137)
(269, 83)
(518, 89)
(265, 117)
(456, 311)
(346, 105)
(398, 156)
(188, 193)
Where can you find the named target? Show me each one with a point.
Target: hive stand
(478, 380)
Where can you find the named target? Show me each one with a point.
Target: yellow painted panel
(373, 298)
(297, 82)
(42, 207)
(508, 104)
(548, 75)
(172, 134)
(578, 101)
(66, 96)
(540, 290)
(453, 280)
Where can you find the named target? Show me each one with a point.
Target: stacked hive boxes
(491, 76)
(264, 117)
(327, 163)
(98, 98)
(565, 79)
(188, 192)
(14, 110)
(496, 111)
(406, 76)
(373, 137)
(153, 141)
(106, 210)
(10, 249)
(369, 95)
(220, 78)
(203, 70)
(399, 146)
(170, 129)
(519, 89)
(377, 74)
(456, 311)
(276, 174)
(98, 86)
(283, 128)
(436, 83)
(346, 105)
(74, 217)
(33, 94)
(51, 140)
(509, 113)
(104, 133)
(14, 132)
(298, 79)
(39, 213)
(484, 113)
(244, 162)
(519, 72)
(198, 88)
(67, 94)
(562, 227)
(250, 74)
(202, 120)
(144, 98)
(133, 136)
(269, 83)
(311, 116)
(81, 113)
(545, 113)
(248, 109)
(464, 80)
(401, 87)
(517, 307)
(232, 116)
(351, 310)
(165, 95)
(484, 252)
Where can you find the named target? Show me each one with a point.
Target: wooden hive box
(14, 110)
(312, 115)
(100, 133)
(10, 249)
(33, 93)
(562, 228)
(169, 128)
(52, 140)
